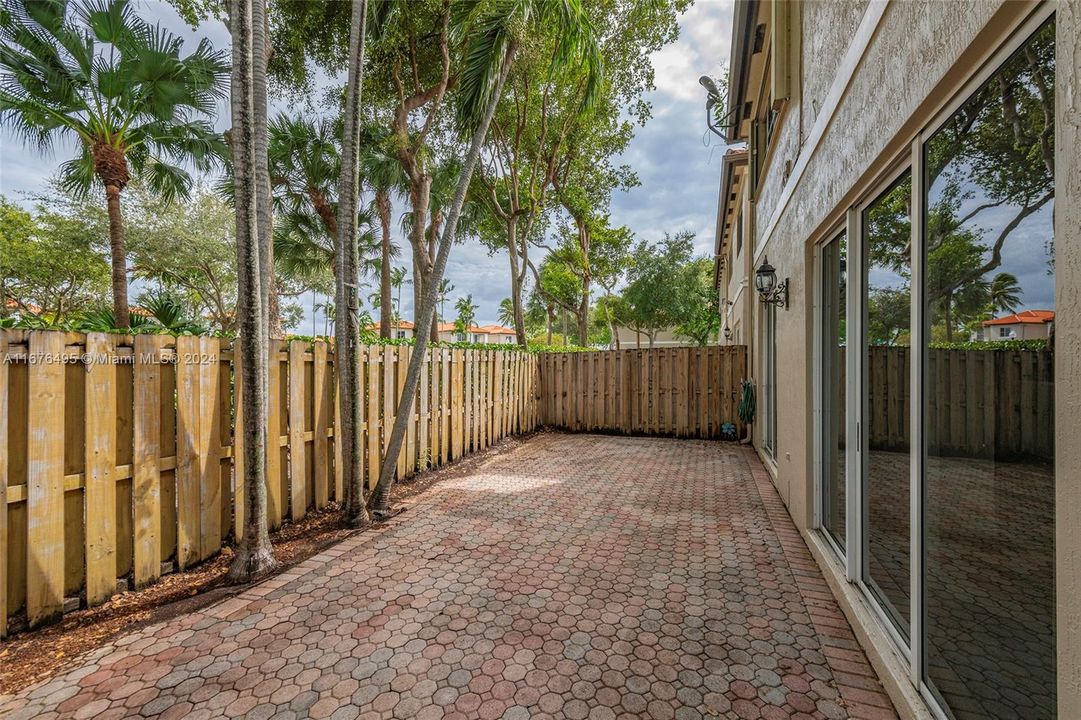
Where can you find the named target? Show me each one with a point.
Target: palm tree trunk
(347, 333)
(265, 220)
(380, 499)
(551, 321)
(119, 257)
(386, 309)
(254, 552)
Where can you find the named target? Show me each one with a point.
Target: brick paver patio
(575, 576)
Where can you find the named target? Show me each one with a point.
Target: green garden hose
(747, 402)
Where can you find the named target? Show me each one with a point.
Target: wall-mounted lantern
(727, 333)
(769, 290)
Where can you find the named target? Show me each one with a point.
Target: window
(988, 509)
(769, 379)
(401, 334)
(739, 236)
(462, 337)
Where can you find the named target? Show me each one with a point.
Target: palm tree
(445, 289)
(347, 332)
(121, 89)
(383, 173)
(397, 279)
(488, 55)
(305, 168)
(506, 312)
(255, 555)
(467, 314)
(1005, 292)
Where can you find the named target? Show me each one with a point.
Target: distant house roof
(493, 330)
(451, 327)
(1025, 317)
(399, 325)
(13, 304)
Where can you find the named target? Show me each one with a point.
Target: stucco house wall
(872, 75)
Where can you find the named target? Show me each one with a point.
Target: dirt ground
(29, 657)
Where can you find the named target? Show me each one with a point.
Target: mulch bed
(31, 657)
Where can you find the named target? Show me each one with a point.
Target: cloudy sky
(676, 158)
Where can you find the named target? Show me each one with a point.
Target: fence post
(4, 468)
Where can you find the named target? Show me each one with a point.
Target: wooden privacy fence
(684, 391)
(983, 403)
(117, 455)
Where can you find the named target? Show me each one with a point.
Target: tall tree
(506, 312)
(539, 125)
(467, 314)
(383, 173)
(255, 554)
(653, 303)
(414, 61)
(1005, 293)
(347, 328)
(397, 278)
(96, 73)
(445, 289)
(492, 33)
(49, 267)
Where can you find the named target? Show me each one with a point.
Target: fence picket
(298, 499)
(100, 468)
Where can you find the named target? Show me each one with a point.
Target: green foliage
(539, 347)
(1000, 345)
(700, 318)
(653, 301)
(50, 260)
(467, 314)
(188, 249)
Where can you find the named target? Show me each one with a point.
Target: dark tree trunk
(347, 331)
(255, 554)
(380, 499)
(119, 257)
(516, 281)
(386, 307)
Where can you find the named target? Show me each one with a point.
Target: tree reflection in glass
(887, 242)
(989, 483)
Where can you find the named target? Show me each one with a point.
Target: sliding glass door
(988, 392)
(947, 406)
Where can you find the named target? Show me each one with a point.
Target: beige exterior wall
(629, 339)
(872, 76)
(1068, 357)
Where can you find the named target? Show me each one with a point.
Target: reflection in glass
(989, 481)
(834, 303)
(887, 239)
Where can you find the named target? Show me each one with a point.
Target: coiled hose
(747, 405)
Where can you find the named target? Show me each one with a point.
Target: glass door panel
(833, 339)
(988, 295)
(885, 419)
